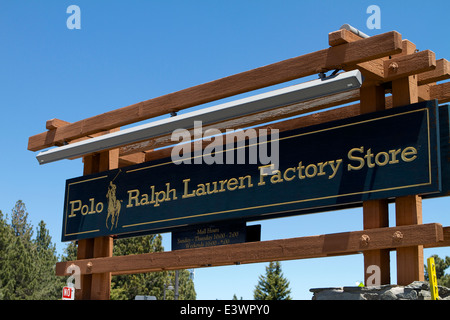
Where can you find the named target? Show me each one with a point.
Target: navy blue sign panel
(385, 154)
(444, 133)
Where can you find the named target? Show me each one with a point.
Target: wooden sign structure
(389, 65)
(330, 166)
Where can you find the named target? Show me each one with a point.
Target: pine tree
(19, 221)
(272, 286)
(127, 287)
(6, 235)
(27, 266)
(49, 285)
(18, 274)
(151, 283)
(70, 251)
(186, 289)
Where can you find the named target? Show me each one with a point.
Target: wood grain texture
(375, 212)
(264, 251)
(445, 243)
(97, 286)
(327, 59)
(441, 72)
(441, 92)
(55, 123)
(342, 36)
(411, 64)
(408, 209)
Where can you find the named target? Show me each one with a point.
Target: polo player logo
(114, 206)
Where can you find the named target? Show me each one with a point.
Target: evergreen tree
(49, 285)
(70, 251)
(151, 283)
(70, 254)
(27, 266)
(18, 273)
(6, 235)
(127, 287)
(186, 289)
(272, 286)
(19, 222)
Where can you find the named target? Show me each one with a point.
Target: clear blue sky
(130, 51)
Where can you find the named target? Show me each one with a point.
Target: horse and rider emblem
(114, 206)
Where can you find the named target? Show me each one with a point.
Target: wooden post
(85, 250)
(375, 212)
(408, 209)
(410, 263)
(97, 286)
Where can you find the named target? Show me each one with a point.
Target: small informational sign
(68, 293)
(208, 235)
(339, 164)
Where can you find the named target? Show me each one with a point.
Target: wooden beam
(371, 70)
(131, 159)
(445, 243)
(372, 99)
(342, 36)
(328, 59)
(264, 251)
(253, 120)
(441, 72)
(441, 92)
(424, 92)
(406, 91)
(411, 64)
(300, 122)
(408, 47)
(55, 123)
(384, 70)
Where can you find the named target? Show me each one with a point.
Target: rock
(419, 285)
(417, 290)
(444, 292)
(408, 294)
(388, 295)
